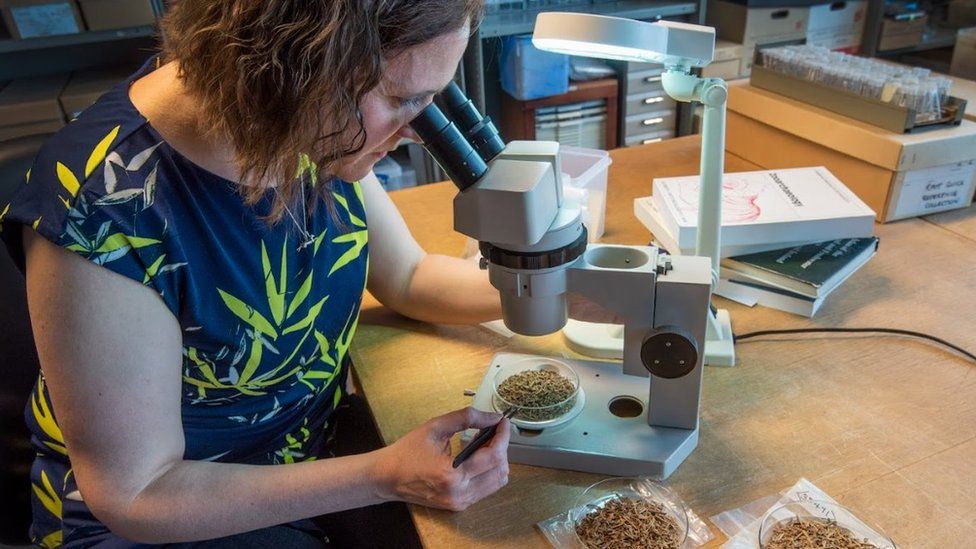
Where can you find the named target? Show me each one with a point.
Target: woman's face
(410, 81)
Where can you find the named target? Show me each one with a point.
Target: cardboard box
(727, 51)
(36, 18)
(964, 55)
(729, 69)
(86, 87)
(32, 100)
(117, 14)
(898, 175)
(750, 26)
(898, 34)
(727, 61)
(837, 25)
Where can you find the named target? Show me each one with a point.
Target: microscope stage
(597, 440)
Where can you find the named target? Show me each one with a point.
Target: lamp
(679, 47)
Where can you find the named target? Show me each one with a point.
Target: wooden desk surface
(885, 425)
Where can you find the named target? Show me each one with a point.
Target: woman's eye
(414, 102)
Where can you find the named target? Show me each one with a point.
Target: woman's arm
(405, 278)
(111, 355)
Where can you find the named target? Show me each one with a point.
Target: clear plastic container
(585, 182)
(824, 512)
(598, 495)
(539, 417)
(389, 172)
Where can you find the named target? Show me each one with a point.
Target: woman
(196, 247)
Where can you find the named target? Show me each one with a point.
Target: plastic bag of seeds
(624, 513)
(801, 503)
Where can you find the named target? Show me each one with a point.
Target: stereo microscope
(638, 417)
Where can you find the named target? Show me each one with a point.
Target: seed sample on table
(626, 523)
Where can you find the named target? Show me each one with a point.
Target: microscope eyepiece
(458, 137)
(477, 129)
(450, 149)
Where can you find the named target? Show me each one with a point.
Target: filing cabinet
(648, 114)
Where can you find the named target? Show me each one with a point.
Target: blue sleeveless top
(267, 313)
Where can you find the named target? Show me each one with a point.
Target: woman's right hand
(417, 468)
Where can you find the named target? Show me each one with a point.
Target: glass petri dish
(823, 512)
(538, 417)
(598, 495)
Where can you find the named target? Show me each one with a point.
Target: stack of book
(789, 237)
(796, 280)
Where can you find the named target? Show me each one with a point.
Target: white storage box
(749, 26)
(837, 25)
(585, 182)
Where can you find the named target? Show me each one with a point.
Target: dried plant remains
(626, 523)
(813, 534)
(539, 391)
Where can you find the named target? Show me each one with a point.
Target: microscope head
(510, 200)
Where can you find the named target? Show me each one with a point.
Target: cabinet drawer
(648, 102)
(634, 66)
(648, 138)
(644, 82)
(650, 122)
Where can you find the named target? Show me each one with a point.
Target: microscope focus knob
(669, 352)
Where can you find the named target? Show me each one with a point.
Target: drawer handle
(651, 121)
(652, 79)
(649, 141)
(652, 100)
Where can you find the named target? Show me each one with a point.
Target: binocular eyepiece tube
(459, 138)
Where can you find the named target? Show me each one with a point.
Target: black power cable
(960, 350)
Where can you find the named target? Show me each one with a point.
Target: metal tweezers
(483, 436)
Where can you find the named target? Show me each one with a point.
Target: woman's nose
(406, 132)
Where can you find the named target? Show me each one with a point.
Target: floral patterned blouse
(267, 313)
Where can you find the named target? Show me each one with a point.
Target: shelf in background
(62, 40)
(521, 22)
(935, 38)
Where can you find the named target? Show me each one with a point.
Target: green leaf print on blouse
(274, 319)
(67, 177)
(358, 238)
(104, 246)
(52, 503)
(107, 245)
(45, 419)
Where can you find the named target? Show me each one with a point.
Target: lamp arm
(712, 93)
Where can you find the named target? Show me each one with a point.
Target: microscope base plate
(600, 340)
(597, 440)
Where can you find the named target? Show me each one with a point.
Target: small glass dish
(601, 493)
(539, 417)
(823, 512)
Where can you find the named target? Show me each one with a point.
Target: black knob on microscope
(670, 352)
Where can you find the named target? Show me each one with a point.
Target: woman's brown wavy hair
(282, 78)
